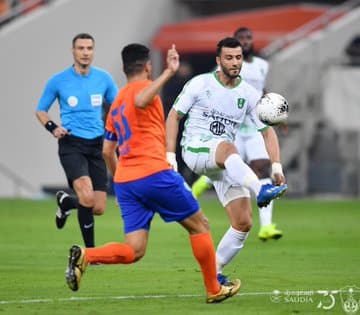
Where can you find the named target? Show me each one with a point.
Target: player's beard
(247, 53)
(228, 73)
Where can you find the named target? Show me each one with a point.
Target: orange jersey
(140, 134)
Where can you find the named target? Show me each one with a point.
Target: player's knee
(223, 151)
(247, 226)
(243, 225)
(227, 148)
(87, 199)
(98, 210)
(197, 223)
(99, 207)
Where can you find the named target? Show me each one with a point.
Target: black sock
(86, 222)
(70, 202)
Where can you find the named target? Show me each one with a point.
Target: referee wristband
(50, 126)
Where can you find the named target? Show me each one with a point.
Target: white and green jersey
(254, 73)
(214, 110)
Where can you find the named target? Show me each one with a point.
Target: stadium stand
(11, 9)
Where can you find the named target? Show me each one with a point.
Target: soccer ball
(272, 109)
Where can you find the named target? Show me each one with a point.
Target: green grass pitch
(320, 250)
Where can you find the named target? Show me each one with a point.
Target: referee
(81, 91)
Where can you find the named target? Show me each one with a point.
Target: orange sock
(203, 250)
(111, 253)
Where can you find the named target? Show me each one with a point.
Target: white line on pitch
(121, 297)
(148, 297)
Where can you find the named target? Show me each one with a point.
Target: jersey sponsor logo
(96, 99)
(217, 128)
(72, 101)
(240, 102)
(218, 116)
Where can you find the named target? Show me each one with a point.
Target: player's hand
(277, 174)
(173, 59)
(171, 158)
(60, 132)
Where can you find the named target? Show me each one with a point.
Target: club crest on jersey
(240, 102)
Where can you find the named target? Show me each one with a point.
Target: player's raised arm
(146, 96)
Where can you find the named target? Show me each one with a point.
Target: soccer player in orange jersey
(144, 181)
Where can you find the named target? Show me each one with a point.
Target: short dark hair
(229, 42)
(82, 36)
(134, 58)
(242, 29)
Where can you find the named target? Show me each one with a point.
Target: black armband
(50, 126)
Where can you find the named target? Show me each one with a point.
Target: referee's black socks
(70, 202)
(86, 222)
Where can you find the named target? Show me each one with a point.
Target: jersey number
(121, 125)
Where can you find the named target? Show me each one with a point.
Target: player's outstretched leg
(76, 267)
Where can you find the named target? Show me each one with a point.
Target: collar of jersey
(217, 79)
(80, 75)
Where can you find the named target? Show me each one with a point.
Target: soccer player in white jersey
(249, 141)
(216, 104)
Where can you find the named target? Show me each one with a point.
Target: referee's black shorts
(83, 157)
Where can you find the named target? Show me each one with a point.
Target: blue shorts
(165, 193)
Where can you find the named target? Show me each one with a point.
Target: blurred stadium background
(312, 47)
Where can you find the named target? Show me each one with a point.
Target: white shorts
(199, 156)
(251, 146)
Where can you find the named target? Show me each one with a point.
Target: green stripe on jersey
(198, 150)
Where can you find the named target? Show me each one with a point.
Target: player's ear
(148, 67)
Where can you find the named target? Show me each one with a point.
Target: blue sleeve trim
(110, 136)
